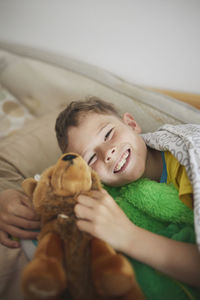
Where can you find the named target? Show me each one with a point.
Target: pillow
(28, 152)
(13, 115)
(52, 80)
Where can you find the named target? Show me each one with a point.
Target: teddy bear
(69, 263)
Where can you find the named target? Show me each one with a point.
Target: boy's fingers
(94, 195)
(28, 235)
(6, 241)
(84, 226)
(99, 193)
(24, 223)
(86, 200)
(88, 227)
(20, 233)
(83, 212)
(6, 219)
(26, 201)
(25, 212)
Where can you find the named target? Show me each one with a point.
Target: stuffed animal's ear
(29, 186)
(96, 183)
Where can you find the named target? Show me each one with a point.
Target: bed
(34, 86)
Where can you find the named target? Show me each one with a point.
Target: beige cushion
(12, 262)
(28, 152)
(13, 114)
(44, 85)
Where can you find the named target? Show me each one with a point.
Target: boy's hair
(71, 116)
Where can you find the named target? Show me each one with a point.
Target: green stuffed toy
(156, 207)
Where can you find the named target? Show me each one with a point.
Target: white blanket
(183, 141)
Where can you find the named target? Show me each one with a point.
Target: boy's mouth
(122, 163)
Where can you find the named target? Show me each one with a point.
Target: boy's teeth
(122, 161)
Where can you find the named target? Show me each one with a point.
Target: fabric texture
(42, 87)
(12, 262)
(38, 77)
(13, 115)
(157, 208)
(28, 152)
(183, 141)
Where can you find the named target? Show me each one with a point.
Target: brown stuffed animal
(69, 263)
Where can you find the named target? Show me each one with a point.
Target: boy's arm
(17, 218)
(104, 219)
(177, 259)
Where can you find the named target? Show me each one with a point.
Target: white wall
(148, 42)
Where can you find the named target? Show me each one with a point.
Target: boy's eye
(108, 134)
(92, 159)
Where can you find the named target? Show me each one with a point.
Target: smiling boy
(114, 148)
(110, 145)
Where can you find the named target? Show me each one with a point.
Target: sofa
(35, 85)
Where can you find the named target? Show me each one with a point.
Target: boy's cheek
(97, 167)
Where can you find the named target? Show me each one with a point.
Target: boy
(114, 148)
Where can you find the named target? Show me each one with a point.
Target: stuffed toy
(156, 207)
(68, 263)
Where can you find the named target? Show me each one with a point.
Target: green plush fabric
(156, 207)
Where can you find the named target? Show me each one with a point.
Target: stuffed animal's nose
(69, 157)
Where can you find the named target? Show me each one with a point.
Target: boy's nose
(110, 154)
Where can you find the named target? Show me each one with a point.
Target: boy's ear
(130, 121)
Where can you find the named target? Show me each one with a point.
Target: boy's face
(111, 146)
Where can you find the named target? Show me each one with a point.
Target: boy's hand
(17, 218)
(100, 216)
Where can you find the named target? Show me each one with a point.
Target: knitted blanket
(183, 141)
(157, 208)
